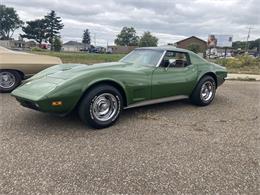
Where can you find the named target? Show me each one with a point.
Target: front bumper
(40, 105)
(45, 104)
(29, 104)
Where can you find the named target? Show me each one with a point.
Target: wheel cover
(7, 80)
(105, 107)
(207, 91)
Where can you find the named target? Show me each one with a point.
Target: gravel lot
(167, 148)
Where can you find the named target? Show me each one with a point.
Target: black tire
(13, 75)
(197, 96)
(88, 106)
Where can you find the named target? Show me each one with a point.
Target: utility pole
(248, 35)
(95, 39)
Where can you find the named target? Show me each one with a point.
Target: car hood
(69, 71)
(37, 89)
(38, 86)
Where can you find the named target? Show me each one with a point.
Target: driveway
(168, 148)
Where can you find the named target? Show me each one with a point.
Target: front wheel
(204, 92)
(9, 80)
(101, 106)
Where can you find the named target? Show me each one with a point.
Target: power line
(248, 35)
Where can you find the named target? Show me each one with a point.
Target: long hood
(41, 84)
(69, 71)
(36, 89)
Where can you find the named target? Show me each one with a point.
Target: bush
(38, 49)
(240, 61)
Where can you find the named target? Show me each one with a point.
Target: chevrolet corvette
(100, 92)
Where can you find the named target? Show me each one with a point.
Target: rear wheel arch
(213, 75)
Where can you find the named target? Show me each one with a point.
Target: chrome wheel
(7, 80)
(104, 107)
(207, 91)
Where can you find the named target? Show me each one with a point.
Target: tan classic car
(16, 66)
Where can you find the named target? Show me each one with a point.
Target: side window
(174, 59)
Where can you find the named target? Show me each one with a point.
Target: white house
(73, 46)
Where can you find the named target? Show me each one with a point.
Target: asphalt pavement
(167, 148)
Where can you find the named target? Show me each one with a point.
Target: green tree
(194, 47)
(35, 30)
(255, 44)
(86, 37)
(239, 44)
(57, 44)
(9, 22)
(251, 44)
(127, 37)
(148, 40)
(53, 26)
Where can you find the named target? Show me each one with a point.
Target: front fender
(106, 80)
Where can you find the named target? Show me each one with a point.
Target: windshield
(143, 57)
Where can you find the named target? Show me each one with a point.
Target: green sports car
(100, 92)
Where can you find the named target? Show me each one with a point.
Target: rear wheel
(204, 92)
(9, 80)
(101, 106)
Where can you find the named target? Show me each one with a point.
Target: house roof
(190, 38)
(73, 43)
(165, 48)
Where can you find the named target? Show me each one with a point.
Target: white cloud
(169, 20)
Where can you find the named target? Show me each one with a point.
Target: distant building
(12, 44)
(118, 49)
(186, 43)
(17, 44)
(30, 44)
(73, 46)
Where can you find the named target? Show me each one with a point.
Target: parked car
(100, 92)
(97, 49)
(16, 66)
(254, 54)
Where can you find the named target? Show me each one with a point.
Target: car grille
(29, 104)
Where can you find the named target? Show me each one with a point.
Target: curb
(243, 77)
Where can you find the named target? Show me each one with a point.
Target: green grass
(82, 58)
(241, 64)
(244, 79)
